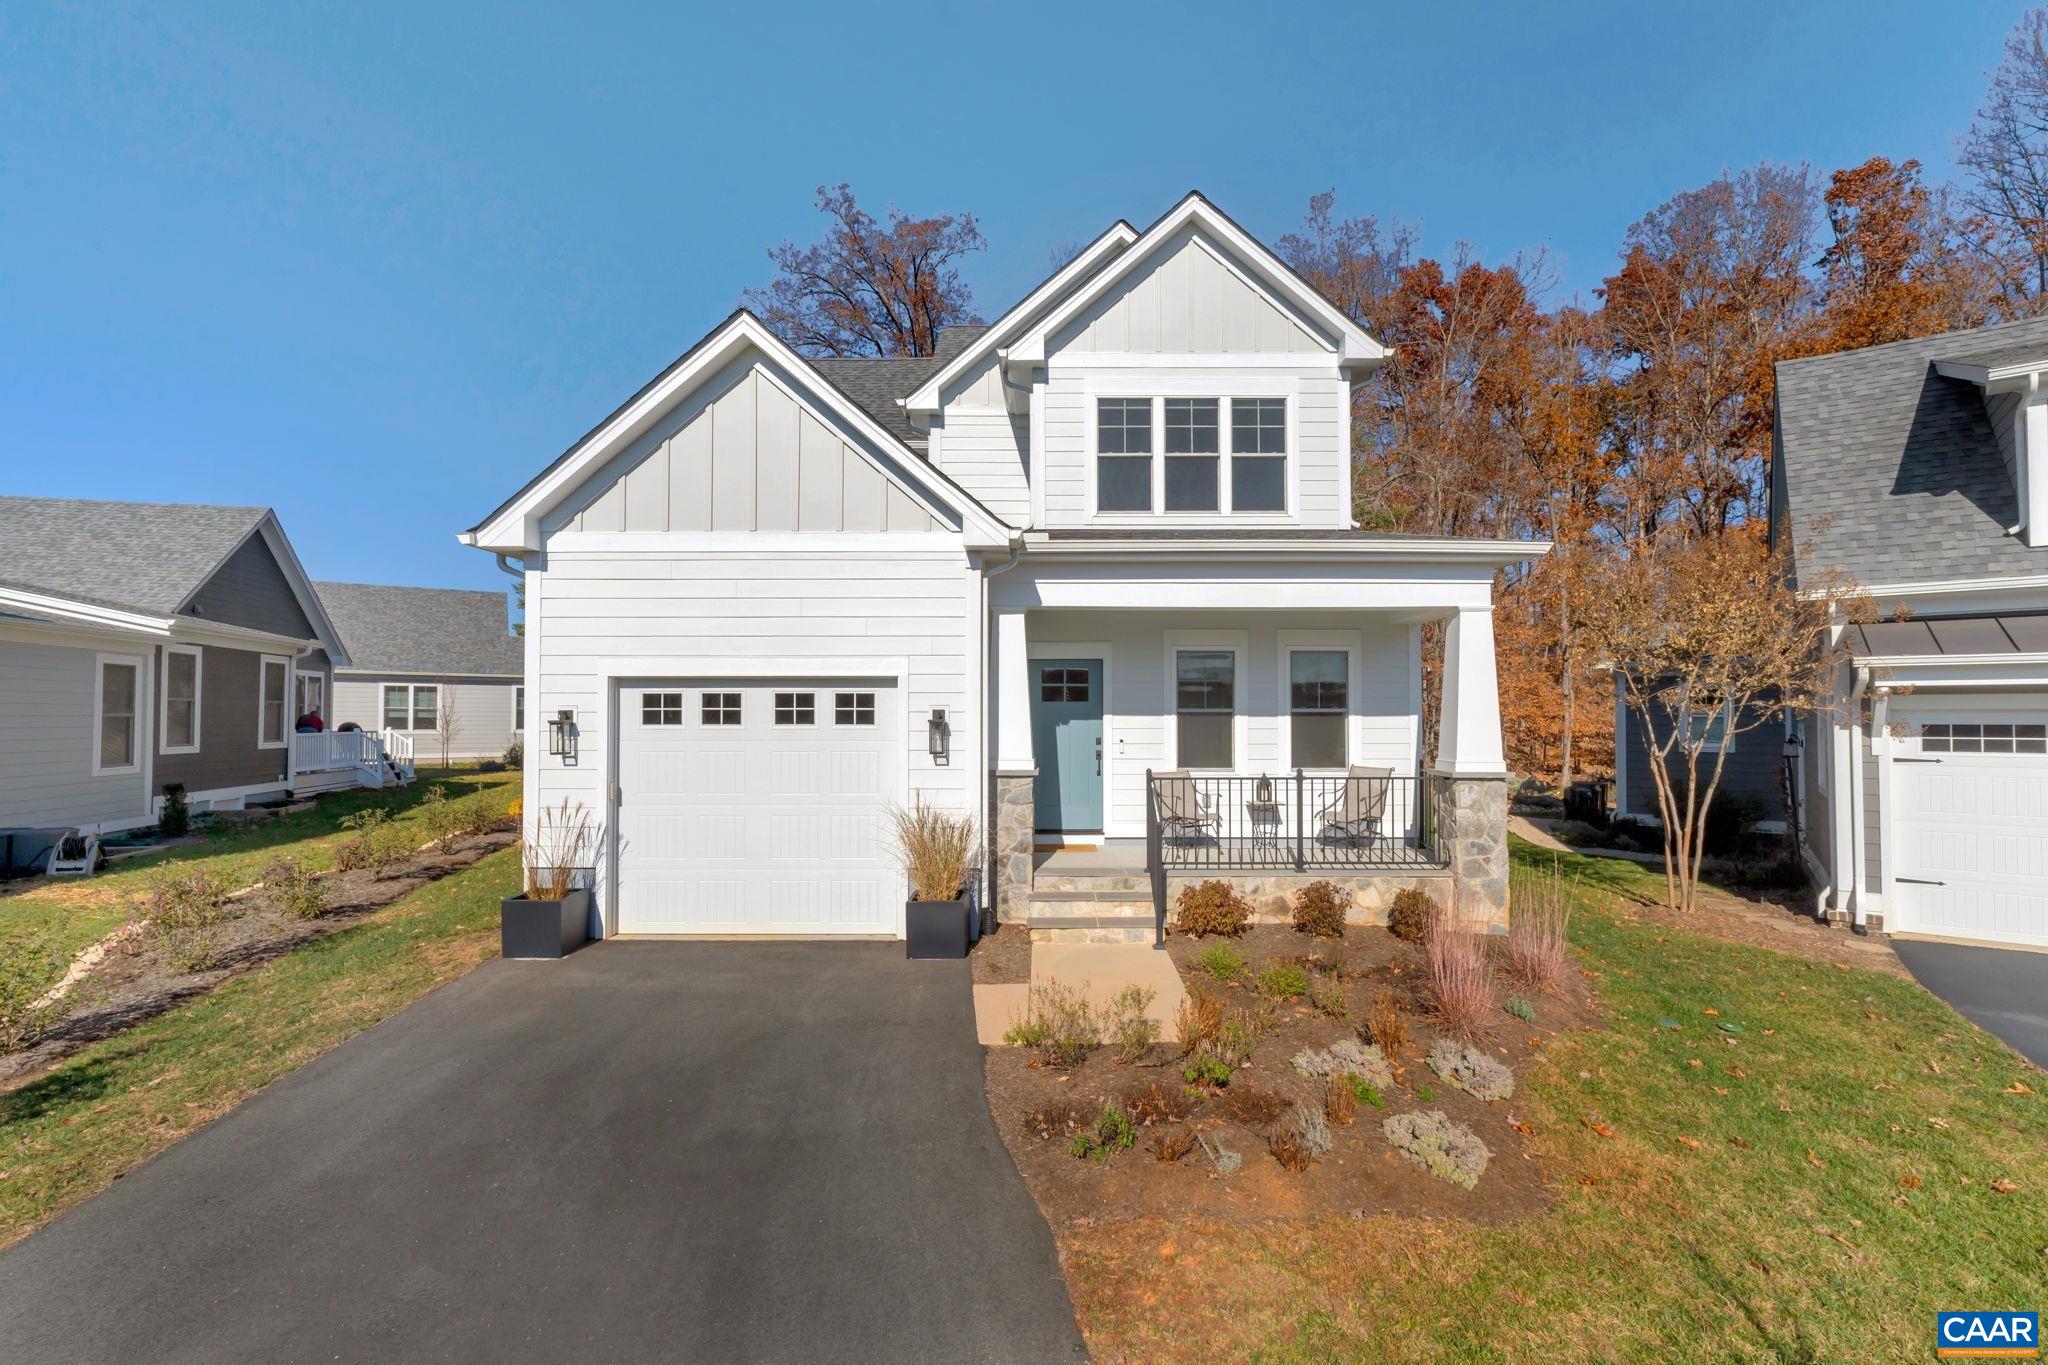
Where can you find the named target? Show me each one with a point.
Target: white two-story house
(1089, 573)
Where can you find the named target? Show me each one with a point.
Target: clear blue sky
(375, 265)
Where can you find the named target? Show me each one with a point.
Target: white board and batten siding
(749, 539)
(1186, 324)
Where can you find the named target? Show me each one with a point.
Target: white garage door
(751, 807)
(1970, 825)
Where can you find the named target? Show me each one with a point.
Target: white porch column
(1012, 786)
(1013, 695)
(1468, 728)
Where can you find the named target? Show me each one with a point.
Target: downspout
(1852, 876)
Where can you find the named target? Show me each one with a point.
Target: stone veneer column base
(1013, 826)
(1472, 835)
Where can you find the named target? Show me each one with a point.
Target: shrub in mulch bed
(1197, 1111)
(1471, 1070)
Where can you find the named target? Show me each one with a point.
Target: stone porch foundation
(1472, 835)
(1012, 825)
(1272, 893)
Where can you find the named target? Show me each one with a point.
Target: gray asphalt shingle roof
(448, 631)
(138, 556)
(877, 383)
(1892, 472)
(1993, 354)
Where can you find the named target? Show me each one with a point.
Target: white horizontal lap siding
(1383, 727)
(483, 713)
(986, 452)
(1067, 454)
(1322, 461)
(688, 614)
(47, 696)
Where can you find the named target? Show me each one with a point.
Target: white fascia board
(515, 528)
(78, 634)
(72, 612)
(1119, 236)
(199, 631)
(2003, 378)
(1355, 348)
(1944, 586)
(1493, 554)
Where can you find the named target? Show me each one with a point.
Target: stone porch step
(1091, 883)
(1090, 917)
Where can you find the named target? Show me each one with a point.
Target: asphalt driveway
(674, 1151)
(2003, 991)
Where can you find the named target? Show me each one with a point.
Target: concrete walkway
(650, 1151)
(1099, 971)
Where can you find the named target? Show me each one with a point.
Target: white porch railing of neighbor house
(1295, 821)
(330, 749)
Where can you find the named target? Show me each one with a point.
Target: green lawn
(82, 910)
(70, 1133)
(1861, 1158)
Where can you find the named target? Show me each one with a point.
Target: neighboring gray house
(419, 655)
(1920, 469)
(143, 644)
(1752, 764)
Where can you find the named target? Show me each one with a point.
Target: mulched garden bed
(1002, 958)
(134, 982)
(1361, 1174)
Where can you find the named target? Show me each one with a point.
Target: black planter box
(935, 929)
(537, 928)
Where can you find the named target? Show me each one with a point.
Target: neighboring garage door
(752, 807)
(1970, 825)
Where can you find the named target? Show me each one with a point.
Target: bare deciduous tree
(869, 288)
(445, 719)
(1711, 640)
(2006, 155)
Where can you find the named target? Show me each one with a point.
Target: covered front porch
(1261, 722)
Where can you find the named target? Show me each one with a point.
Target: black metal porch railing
(1298, 821)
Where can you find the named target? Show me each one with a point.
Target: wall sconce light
(937, 736)
(562, 734)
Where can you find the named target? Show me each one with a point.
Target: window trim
(299, 681)
(414, 714)
(706, 708)
(1178, 642)
(163, 701)
(1348, 643)
(1157, 392)
(284, 699)
(852, 704)
(655, 700)
(799, 702)
(138, 716)
(412, 724)
(518, 708)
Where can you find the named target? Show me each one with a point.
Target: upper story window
(1191, 455)
(1258, 451)
(1171, 455)
(1123, 435)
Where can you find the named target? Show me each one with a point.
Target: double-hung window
(1707, 727)
(1318, 701)
(272, 724)
(115, 748)
(416, 707)
(1205, 707)
(181, 700)
(1192, 455)
(1258, 454)
(1123, 458)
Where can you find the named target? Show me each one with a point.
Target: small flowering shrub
(1133, 1030)
(293, 890)
(1471, 1070)
(1059, 1023)
(1447, 1150)
(1112, 1132)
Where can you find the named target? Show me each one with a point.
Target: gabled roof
(133, 556)
(1354, 348)
(878, 383)
(1892, 471)
(1049, 292)
(144, 560)
(515, 525)
(443, 631)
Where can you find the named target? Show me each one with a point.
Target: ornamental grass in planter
(939, 852)
(552, 919)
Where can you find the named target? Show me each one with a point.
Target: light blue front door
(1066, 734)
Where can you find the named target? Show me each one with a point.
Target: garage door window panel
(720, 708)
(853, 708)
(796, 708)
(1987, 738)
(661, 708)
